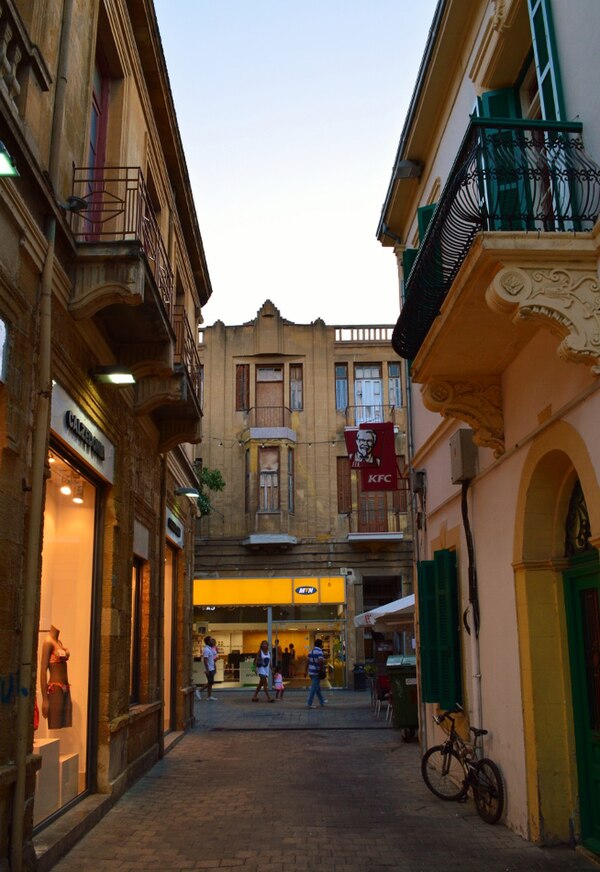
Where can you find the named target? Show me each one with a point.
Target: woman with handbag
(316, 670)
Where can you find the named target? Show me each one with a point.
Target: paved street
(280, 788)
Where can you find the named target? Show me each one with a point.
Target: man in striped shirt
(315, 663)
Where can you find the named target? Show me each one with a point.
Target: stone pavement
(282, 788)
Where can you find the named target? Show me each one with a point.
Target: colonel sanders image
(365, 445)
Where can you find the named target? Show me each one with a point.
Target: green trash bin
(402, 672)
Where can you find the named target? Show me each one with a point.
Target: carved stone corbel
(154, 392)
(478, 401)
(566, 301)
(102, 283)
(175, 431)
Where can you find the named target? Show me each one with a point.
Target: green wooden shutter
(505, 193)
(428, 631)
(440, 661)
(546, 60)
(449, 639)
(424, 216)
(408, 258)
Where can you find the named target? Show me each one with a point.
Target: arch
(555, 460)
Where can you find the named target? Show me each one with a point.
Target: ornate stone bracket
(175, 431)
(154, 392)
(567, 301)
(478, 401)
(105, 282)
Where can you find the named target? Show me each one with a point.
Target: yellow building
(294, 547)
(102, 276)
(492, 211)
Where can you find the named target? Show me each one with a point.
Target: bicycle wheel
(444, 773)
(488, 791)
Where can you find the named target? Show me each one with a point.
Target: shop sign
(174, 529)
(70, 423)
(371, 449)
(307, 590)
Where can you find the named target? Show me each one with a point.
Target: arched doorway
(582, 600)
(557, 464)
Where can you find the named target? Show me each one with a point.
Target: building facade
(492, 211)
(102, 276)
(295, 548)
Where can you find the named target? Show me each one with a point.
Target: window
(247, 480)
(344, 491)
(290, 472)
(368, 393)
(268, 488)
(341, 387)
(201, 385)
(98, 116)
(546, 60)
(439, 627)
(394, 385)
(136, 631)
(3, 349)
(296, 399)
(242, 387)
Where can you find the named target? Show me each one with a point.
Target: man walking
(315, 667)
(209, 656)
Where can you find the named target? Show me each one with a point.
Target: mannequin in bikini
(54, 682)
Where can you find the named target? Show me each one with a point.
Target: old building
(102, 279)
(492, 210)
(295, 548)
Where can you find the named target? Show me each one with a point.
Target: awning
(399, 611)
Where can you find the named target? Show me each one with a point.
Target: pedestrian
(316, 669)
(292, 666)
(278, 683)
(262, 670)
(208, 657)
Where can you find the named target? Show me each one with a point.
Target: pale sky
(290, 114)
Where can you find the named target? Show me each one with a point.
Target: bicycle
(449, 770)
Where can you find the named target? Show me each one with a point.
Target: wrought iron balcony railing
(509, 175)
(375, 413)
(186, 352)
(120, 210)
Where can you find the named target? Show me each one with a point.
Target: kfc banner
(371, 449)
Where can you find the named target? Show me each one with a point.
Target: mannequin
(54, 682)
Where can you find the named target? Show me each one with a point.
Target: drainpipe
(33, 549)
(41, 429)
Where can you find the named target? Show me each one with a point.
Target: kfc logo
(371, 448)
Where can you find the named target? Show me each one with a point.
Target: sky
(290, 113)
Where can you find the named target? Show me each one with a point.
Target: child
(278, 683)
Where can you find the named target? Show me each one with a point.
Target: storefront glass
(168, 667)
(61, 718)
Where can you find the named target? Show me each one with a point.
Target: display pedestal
(69, 777)
(47, 791)
(248, 674)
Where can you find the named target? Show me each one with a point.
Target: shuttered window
(546, 60)
(296, 398)
(441, 669)
(344, 492)
(242, 387)
(341, 387)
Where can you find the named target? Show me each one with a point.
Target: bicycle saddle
(477, 732)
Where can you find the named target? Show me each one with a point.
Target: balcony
(509, 250)
(20, 60)
(124, 282)
(517, 177)
(374, 523)
(123, 276)
(269, 422)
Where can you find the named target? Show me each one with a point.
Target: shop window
(394, 385)
(290, 481)
(61, 733)
(268, 463)
(3, 349)
(136, 630)
(344, 492)
(341, 387)
(296, 397)
(169, 635)
(441, 668)
(242, 387)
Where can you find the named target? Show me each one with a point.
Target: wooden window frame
(242, 387)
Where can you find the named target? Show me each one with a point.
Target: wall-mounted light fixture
(408, 169)
(7, 163)
(191, 492)
(113, 375)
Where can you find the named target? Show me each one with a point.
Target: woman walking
(262, 670)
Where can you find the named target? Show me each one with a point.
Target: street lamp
(7, 164)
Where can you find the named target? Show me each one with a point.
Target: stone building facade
(102, 275)
(294, 546)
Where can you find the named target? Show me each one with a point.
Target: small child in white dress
(278, 683)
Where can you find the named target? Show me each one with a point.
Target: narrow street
(280, 788)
